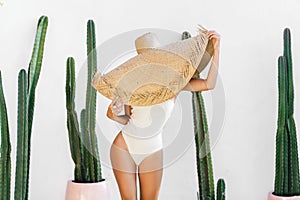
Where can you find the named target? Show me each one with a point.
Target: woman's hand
(215, 38)
(115, 107)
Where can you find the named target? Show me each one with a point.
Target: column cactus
(82, 136)
(27, 83)
(5, 161)
(203, 155)
(287, 164)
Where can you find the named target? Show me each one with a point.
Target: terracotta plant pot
(87, 191)
(274, 197)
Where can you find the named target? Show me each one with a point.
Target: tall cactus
(26, 97)
(72, 120)
(82, 138)
(5, 149)
(21, 187)
(204, 160)
(90, 106)
(287, 164)
(26, 100)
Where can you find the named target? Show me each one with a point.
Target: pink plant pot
(87, 191)
(274, 197)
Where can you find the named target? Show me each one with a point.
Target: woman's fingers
(111, 105)
(215, 37)
(212, 34)
(116, 111)
(112, 102)
(209, 33)
(116, 106)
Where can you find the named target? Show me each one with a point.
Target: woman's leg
(150, 175)
(124, 168)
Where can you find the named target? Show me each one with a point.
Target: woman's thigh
(150, 175)
(124, 168)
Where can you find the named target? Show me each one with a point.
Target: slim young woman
(137, 148)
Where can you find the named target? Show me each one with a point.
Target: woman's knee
(129, 197)
(150, 183)
(150, 195)
(127, 184)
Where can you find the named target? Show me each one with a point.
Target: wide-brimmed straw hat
(157, 73)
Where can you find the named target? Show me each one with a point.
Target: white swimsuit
(143, 132)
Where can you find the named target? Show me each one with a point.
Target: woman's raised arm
(199, 84)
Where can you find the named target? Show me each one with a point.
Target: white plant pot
(87, 191)
(274, 197)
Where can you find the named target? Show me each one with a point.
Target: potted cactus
(204, 162)
(88, 183)
(27, 82)
(287, 184)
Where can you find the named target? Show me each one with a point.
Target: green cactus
(5, 161)
(72, 121)
(24, 133)
(83, 140)
(185, 35)
(287, 163)
(26, 97)
(204, 163)
(204, 160)
(221, 189)
(90, 114)
(21, 187)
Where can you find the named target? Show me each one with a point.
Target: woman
(143, 156)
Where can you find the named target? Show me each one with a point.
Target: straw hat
(157, 73)
(209, 51)
(148, 40)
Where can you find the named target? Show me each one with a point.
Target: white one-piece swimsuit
(143, 132)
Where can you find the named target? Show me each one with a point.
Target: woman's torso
(148, 120)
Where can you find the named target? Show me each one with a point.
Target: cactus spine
(287, 164)
(26, 97)
(82, 138)
(204, 160)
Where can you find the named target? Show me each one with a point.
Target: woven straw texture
(156, 74)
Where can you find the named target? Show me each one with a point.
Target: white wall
(251, 42)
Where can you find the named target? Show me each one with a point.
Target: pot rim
(72, 181)
(291, 197)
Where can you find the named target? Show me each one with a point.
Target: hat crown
(191, 49)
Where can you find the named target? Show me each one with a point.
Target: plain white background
(251, 42)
